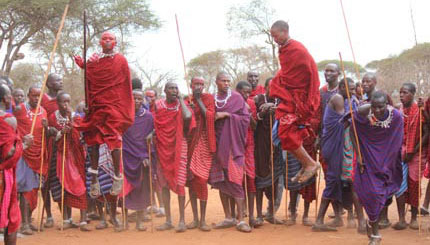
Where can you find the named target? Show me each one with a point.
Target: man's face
(7, 100)
(351, 89)
(108, 41)
(18, 96)
(279, 36)
(223, 83)
(368, 83)
(197, 85)
(33, 97)
(331, 73)
(138, 99)
(379, 106)
(406, 97)
(150, 94)
(253, 78)
(245, 92)
(64, 103)
(55, 82)
(171, 90)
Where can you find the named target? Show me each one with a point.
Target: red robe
(10, 215)
(110, 101)
(171, 144)
(49, 104)
(204, 131)
(32, 154)
(74, 167)
(297, 85)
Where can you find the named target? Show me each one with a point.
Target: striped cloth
(349, 158)
(201, 159)
(412, 193)
(404, 185)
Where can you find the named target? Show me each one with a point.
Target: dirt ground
(268, 234)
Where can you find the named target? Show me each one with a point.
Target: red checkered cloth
(412, 193)
(309, 192)
(200, 188)
(250, 184)
(411, 128)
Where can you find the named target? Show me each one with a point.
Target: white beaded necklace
(378, 123)
(62, 121)
(223, 101)
(176, 108)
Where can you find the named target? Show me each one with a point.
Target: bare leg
(414, 223)
(193, 199)
(426, 200)
(305, 217)
(384, 222)
(25, 211)
(166, 200)
(116, 155)
(251, 200)
(181, 226)
(360, 215)
(232, 207)
(10, 239)
(226, 205)
(203, 225)
(401, 204)
(293, 208)
(259, 201)
(94, 159)
(139, 220)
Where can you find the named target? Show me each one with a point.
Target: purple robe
(226, 173)
(135, 150)
(381, 153)
(332, 150)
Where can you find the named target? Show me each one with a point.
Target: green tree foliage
(348, 65)
(412, 65)
(254, 19)
(236, 62)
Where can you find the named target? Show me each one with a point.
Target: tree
(253, 20)
(412, 65)
(36, 22)
(236, 62)
(26, 74)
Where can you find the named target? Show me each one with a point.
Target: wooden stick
(352, 50)
(246, 195)
(318, 185)
(352, 115)
(272, 166)
(48, 69)
(150, 186)
(62, 181)
(420, 154)
(286, 186)
(124, 216)
(85, 59)
(183, 56)
(39, 192)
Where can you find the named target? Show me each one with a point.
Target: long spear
(48, 69)
(85, 58)
(352, 49)
(183, 56)
(351, 112)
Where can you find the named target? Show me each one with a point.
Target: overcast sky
(378, 29)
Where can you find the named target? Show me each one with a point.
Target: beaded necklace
(378, 123)
(223, 102)
(175, 108)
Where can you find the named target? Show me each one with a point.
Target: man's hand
(197, 93)
(45, 123)
(66, 129)
(145, 163)
(221, 115)
(27, 140)
(79, 61)
(420, 102)
(149, 138)
(94, 58)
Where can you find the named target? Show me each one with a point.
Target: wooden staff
(62, 180)
(318, 185)
(272, 165)
(352, 50)
(246, 194)
(85, 59)
(124, 216)
(39, 192)
(286, 186)
(51, 59)
(420, 154)
(183, 56)
(150, 185)
(352, 115)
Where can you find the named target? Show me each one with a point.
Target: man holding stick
(110, 108)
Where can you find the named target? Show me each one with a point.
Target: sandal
(227, 223)
(83, 226)
(400, 226)
(164, 227)
(307, 174)
(181, 227)
(204, 227)
(242, 226)
(102, 225)
(307, 222)
(49, 223)
(140, 227)
(193, 225)
(322, 228)
(368, 229)
(296, 178)
(375, 240)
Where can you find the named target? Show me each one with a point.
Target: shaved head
(280, 25)
(222, 74)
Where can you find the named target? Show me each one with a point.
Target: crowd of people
(125, 147)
